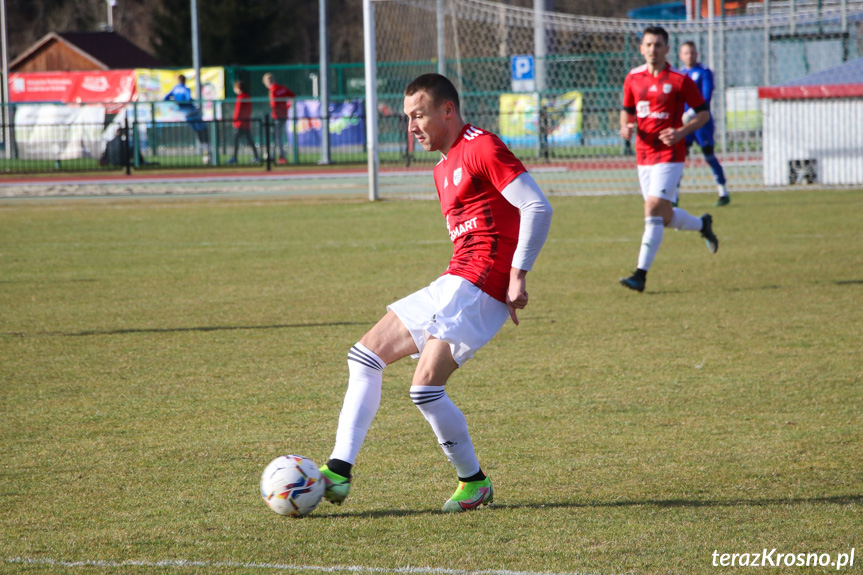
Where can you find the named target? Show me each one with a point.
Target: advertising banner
(347, 127)
(520, 119)
(56, 132)
(153, 85)
(73, 87)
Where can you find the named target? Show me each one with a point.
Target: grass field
(156, 355)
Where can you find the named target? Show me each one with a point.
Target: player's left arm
(524, 193)
(693, 98)
(707, 86)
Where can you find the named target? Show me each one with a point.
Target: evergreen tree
(241, 32)
(172, 33)
(237, 32)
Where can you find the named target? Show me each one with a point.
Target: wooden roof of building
(66, 51)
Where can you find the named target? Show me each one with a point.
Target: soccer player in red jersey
(498, 220)
(279, 105)
(654, 96)
(242, 121)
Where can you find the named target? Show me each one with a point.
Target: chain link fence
(564, 120)
(567, 115)
(109, 137)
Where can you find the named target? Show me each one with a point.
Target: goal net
(550, 84)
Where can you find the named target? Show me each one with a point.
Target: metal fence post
(409, 140)
(124, 140)
(136, 138)
(267, 151)
(544, 129)
(152, 133)
(295, 139)
(214, 131)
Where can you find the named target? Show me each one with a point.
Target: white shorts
(661, 180)
(453, 310)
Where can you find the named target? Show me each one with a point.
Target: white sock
(685, 221)
(362, 400)
(449, 425)
(723, 191)
(650, 242)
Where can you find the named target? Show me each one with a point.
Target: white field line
(181, 563)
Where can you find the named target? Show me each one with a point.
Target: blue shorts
(196, 121)
(703, 135)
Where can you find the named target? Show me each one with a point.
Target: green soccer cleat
(470, 496)
(336, 487)
(722, 201)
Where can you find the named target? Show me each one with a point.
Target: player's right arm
(627, 113)
(627, 124)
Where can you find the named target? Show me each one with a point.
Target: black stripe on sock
(367, 360)
(421, 397)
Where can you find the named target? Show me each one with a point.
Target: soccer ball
(292, 485)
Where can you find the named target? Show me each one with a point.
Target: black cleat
(634, 282)
(722, 201)
(707, 233)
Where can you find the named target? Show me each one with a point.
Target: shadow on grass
(755, 288)
(678, 291)
(661, 503)
(182, 329)
(52, 281)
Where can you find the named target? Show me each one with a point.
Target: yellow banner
(154, 85)
(519, 118)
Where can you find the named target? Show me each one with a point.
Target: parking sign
(523, 73)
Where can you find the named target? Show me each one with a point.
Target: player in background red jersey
(654, 96)
(498, 220)
(242, 122)
(280, 103)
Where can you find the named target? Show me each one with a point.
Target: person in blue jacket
(182, 96)
(703, 78)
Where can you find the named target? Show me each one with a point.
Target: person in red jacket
(280, 103)
(242, 125)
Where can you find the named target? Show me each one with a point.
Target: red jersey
(482, 224)
(278, 101)
(658, 103)
(242, 112)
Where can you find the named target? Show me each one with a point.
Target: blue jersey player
(703, 78)
(182, 96)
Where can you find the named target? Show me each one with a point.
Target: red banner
(73, 87)
(811, 92)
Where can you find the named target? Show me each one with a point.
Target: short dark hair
(657, 31)
(239, 84)
(181, 78)
(689, 43)
(438, 87)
